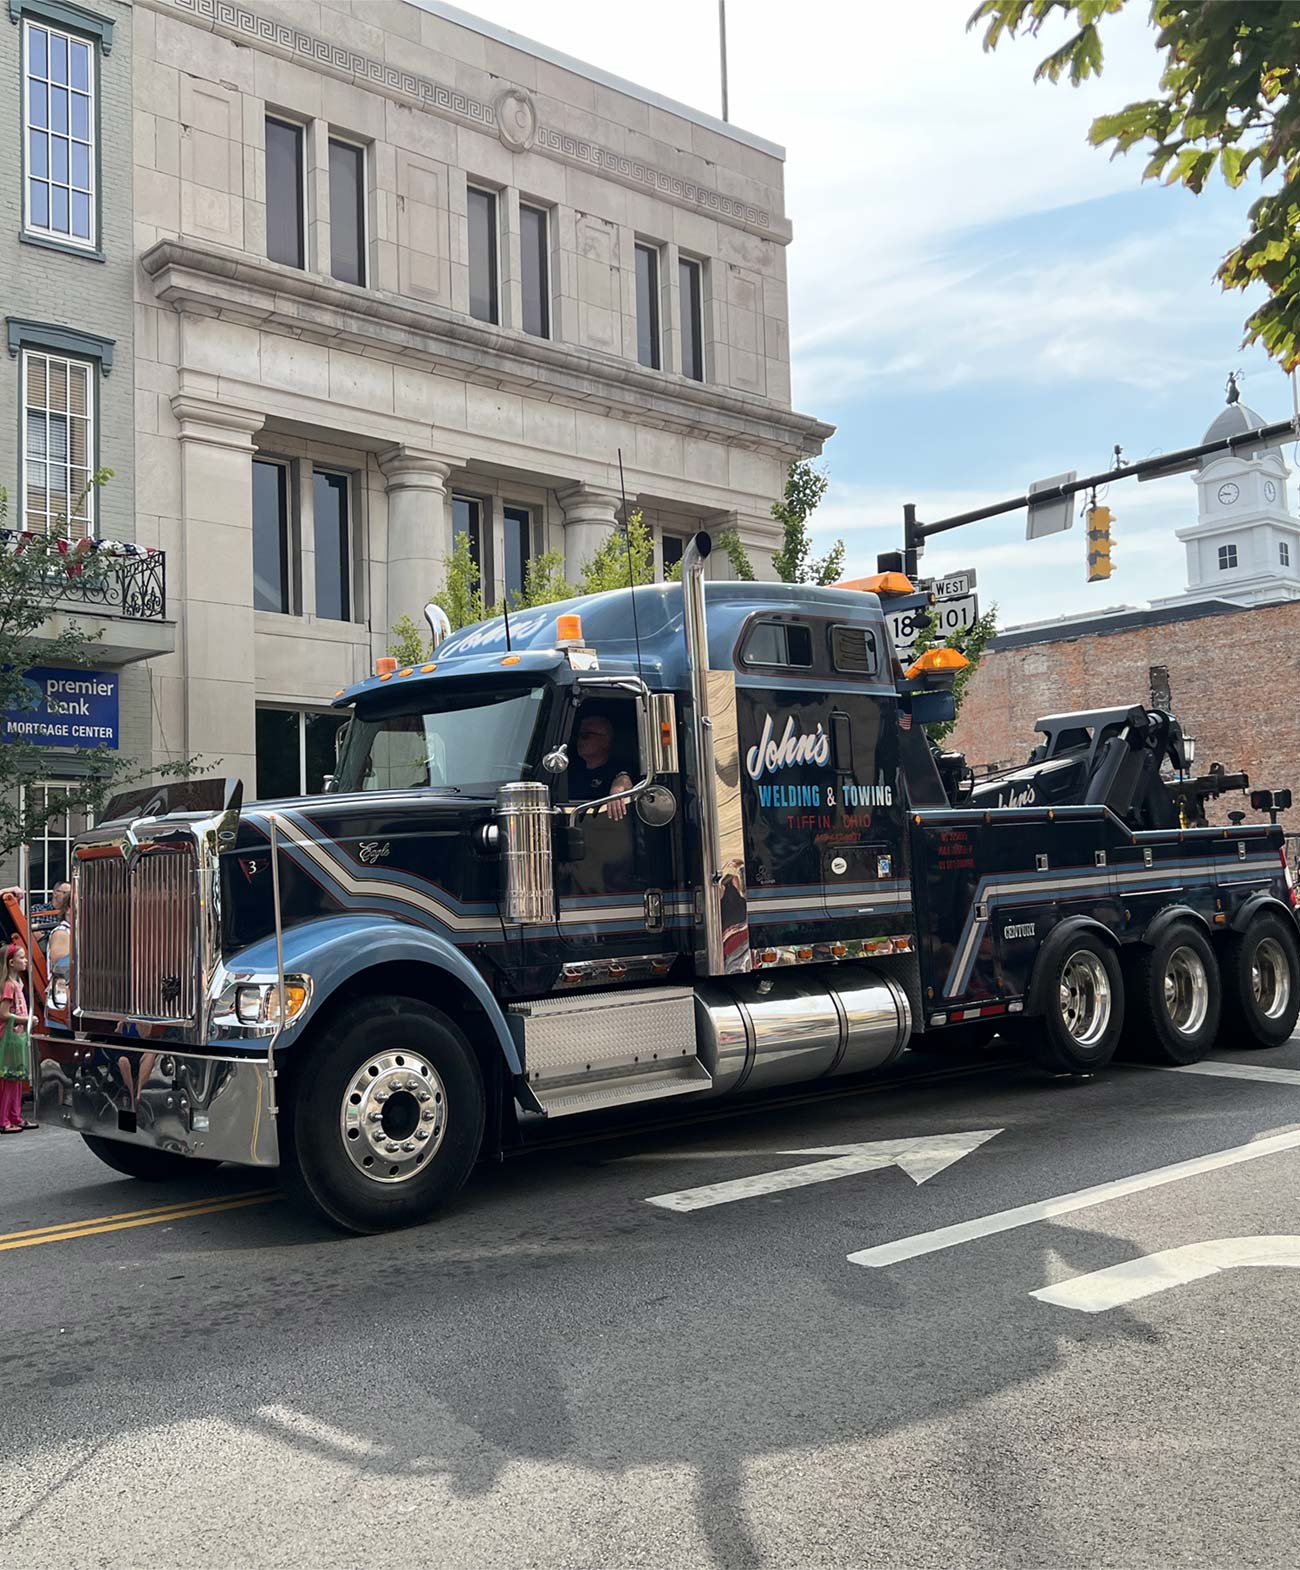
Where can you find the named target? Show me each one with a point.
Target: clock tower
(1245, 544)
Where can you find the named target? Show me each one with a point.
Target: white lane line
(1044, 1209)
(1271, 1076)
(921, 1157)
(1171, 1267)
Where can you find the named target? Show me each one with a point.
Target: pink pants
(11, 1102)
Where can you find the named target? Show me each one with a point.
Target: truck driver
(597, 771)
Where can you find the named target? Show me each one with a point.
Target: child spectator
(15, 1056)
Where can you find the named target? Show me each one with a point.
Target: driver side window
(602, 749)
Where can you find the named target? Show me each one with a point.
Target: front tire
(1174, 997)
(387, 1115)
(1261, 983)
(1083, 1007)
(146, 1163)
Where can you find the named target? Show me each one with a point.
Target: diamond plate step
(586, 1095)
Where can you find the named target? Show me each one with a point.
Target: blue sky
(978, 297)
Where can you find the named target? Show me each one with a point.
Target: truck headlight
(248, 1005)
(258, 1003)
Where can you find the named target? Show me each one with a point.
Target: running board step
(560, 1101)
(608, 1049)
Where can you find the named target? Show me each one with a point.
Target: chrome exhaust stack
(523, 819)
(723, 902)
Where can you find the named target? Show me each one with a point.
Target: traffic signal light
(1099, 522)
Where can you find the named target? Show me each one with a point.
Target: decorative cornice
(215, 421)
(62, 13)
(208, 279)
(512, 117)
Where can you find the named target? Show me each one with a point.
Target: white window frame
(1227, 557)
(364, 149)
(1283, 553)
(92, 89)
(45, 839)
(300, 713)
(67, 361)
(697, 265)
(655, 249)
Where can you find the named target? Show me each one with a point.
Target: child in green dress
(15, 1064)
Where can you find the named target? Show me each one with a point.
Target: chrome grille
(137, 935)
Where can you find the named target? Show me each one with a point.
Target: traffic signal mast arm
(915, 534)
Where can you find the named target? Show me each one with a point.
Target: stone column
(590, 514)
(419, 529)
(216, 584)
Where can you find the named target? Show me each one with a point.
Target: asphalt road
(559, 1373)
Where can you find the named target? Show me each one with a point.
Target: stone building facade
(401, 275)
(67, 399)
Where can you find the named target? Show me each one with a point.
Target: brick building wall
(1234, 679)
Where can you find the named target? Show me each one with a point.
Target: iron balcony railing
(133, 587)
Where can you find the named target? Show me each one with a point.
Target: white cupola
(1245, 544)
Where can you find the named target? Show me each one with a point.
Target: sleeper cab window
(778, 643)
(853, 651)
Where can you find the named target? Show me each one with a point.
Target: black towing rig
(778, 881)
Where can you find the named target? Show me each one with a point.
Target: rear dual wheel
(1261, 983)
(1174, 998)
(1082, 1006)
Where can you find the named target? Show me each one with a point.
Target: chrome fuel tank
(781, 1029)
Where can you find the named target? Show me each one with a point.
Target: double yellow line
(94, 1225)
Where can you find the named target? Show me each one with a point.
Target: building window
(484, 302)
(295, 751)
(647, 306)
(331, 495)
(58, 444)
(518, 529)
(534, 257)
(673, 547)
(49, 851)
(347, 212)
(286, 225)
(1227, 557)
(692, 319)
(1284, 554)
(270, 536)
(59, 113)
(467, 519)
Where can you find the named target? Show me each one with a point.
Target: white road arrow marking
(921, 1158)
(1044, 1209)
(1260, 1071)
(1171, 1267)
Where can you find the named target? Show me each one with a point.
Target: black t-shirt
(590, 784)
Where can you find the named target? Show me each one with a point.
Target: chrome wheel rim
(1187, 991)
(393, 1117)
(1085, 998)
(1270, 978)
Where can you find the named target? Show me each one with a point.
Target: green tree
(794, 562)
(35, 575)
(970, 641)
(544, 582)
(411, 644)
(610, 568)
(1227, 100)
(461, 595)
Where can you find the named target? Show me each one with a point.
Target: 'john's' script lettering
(791, 751)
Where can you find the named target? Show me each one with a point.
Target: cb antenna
(631, 575)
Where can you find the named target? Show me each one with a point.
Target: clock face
(1228, 493)
(1270, 491)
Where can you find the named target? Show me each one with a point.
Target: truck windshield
(470, 741)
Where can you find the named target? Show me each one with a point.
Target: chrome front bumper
(217, 1108)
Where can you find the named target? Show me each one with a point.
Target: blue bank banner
(73, 709)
